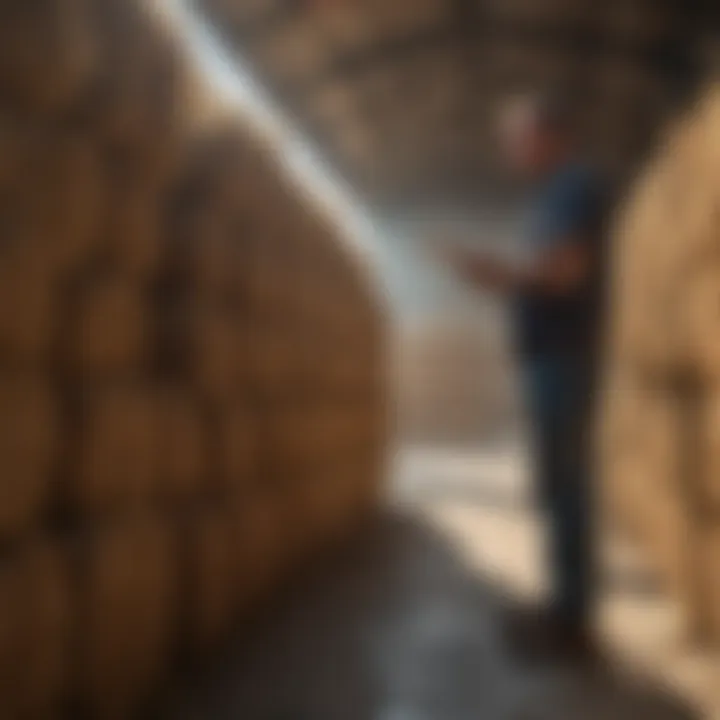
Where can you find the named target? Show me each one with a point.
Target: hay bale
(183, 461)
(219, 257)
(108, 334)
(265, 530)
(14, 147)
(665, 262)
(286, 433)
(240, 446)
(358, 366)
(668, 533)
(29, 447)
(134, 229)
(141, 182)
(311, 355)
(659, 451)
(645, 421)
(346, 371)
(29, 313)
(666, 254)
(708, 484)
(48, 51)
(68, 197)
(56, 197)
(326, 503)
(128, 610)
(648, 484)
(117, 453)
(219, 353)
(300, 435)
(180, 288)
(36, 597)
(9, 635)
(327, 457)
(703, 606)
(210, 581)
(138, 96)
(272, 282)
(219, 253)
(240, 170)
(335, 496)
(699, 346)
(47, 623)
(272, 365)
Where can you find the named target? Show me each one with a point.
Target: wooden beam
(582, 42)
(255, 26)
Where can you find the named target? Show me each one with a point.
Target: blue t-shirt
(571, 207)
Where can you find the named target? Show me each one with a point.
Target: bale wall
(660, 422)
(191, 390)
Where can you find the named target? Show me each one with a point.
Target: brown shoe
(538, 635)
(527, 631)
(576, 645)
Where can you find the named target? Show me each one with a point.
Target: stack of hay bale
(660, 426)
(190, 364)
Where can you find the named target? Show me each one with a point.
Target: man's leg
(557, 410)
(571, 555)
(570, 502)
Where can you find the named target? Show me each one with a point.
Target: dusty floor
(403, 623)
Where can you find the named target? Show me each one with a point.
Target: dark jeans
(559, 392)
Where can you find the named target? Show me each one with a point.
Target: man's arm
(562, 271)
(559, 271)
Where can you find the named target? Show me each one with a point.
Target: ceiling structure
(400, 95)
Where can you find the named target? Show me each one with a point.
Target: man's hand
(492, 274)
(459, 259)
(480, 269)
(559, 272)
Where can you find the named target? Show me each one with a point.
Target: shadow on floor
(397, 627)
(493, 496)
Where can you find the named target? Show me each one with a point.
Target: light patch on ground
(480, 498)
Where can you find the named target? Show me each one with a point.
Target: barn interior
(264, 455)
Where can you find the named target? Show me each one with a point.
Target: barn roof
(400, 94)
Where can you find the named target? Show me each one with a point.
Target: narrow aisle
(481, 499)
(401, 625)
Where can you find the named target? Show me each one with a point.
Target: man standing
(556, 302)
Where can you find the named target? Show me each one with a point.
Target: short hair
(549, 112)
(554, 112)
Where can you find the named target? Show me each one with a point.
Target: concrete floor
(403, 623)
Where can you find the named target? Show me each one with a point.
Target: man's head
(536, 133)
